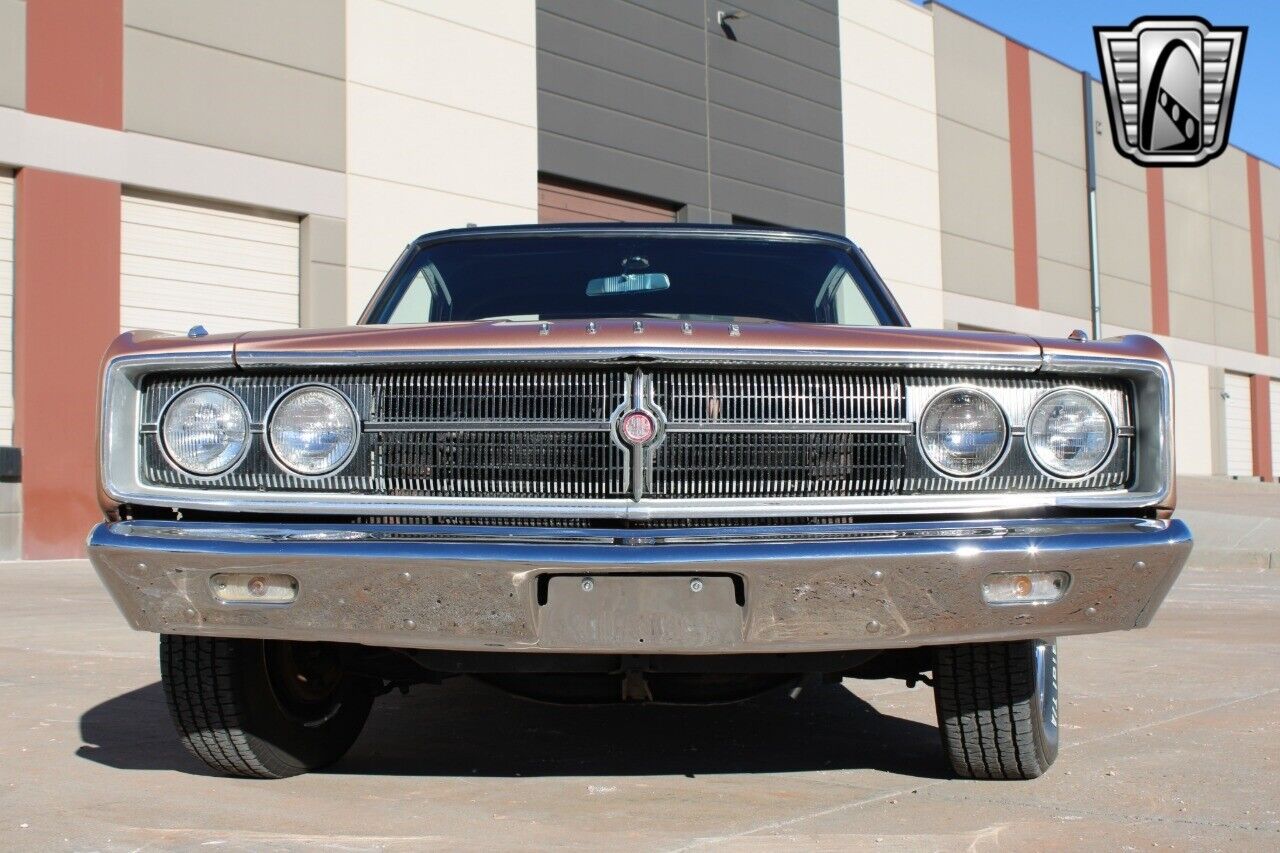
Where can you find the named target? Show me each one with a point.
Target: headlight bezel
(270, 414)
(1104, 459)
(997, 460)
(172, 458)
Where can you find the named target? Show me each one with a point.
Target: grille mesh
(500, 464)
(778, 464)
(545, 433)
(518, 398)
(700, 397)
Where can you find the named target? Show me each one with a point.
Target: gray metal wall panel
(13, 53)
(633, 96)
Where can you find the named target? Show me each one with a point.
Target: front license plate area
(639, 613)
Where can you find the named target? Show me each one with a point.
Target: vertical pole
(1091, 181)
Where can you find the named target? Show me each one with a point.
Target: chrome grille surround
(549, 433)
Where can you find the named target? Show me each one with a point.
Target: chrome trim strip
(945, 361)
(645, 509)
(487, 426)
(337, 534)
(903, 428)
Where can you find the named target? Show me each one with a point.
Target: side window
(415, 302)
(850, 305)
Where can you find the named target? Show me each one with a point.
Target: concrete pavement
(1171, 739)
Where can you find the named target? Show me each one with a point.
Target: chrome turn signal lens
(254, 589)
(1069, 433)
(963, 432)
(1024, 587)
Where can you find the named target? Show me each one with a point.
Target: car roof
(648, 229)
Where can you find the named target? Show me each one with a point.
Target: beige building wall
(13, 53)
(1193, 419)
(973, 158)
(1269, 180)
(1062, 210)
(889, 109)
(219, 74)
(1210, 266)
(413, 69)
(1124, 243)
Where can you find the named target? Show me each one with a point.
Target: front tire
(997, 707)
(262, 709)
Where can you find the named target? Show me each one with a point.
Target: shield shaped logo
(1170, 85)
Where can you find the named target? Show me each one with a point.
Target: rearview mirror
(628, 283)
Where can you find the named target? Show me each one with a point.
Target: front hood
(624, 339)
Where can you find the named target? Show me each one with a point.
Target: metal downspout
(1091, 181)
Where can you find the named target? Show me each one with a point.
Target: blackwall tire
(235, 709)
(997, 707)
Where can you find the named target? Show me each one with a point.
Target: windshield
(575, 276)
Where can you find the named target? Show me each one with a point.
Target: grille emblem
(637, 427)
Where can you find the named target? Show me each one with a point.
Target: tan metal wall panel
(6, 308)
(1057, 114)
(1239, 424)
(306, 34)
(971, 75)
(13, 53)
(974, 181)
(187, 263)
(1228, 187)
(1232, 265)
(1269, 184)
(1189, 249)
(1191, 318)
(1062, 236)
(211, 96)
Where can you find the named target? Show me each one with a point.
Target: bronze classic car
(628, 463)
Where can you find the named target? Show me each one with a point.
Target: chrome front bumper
(800, 589)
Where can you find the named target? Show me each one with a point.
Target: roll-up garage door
(1275, 428)
(1239, 425)
(566, 201)
(6, 308)
(185, 263)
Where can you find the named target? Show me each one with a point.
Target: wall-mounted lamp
(724, 19)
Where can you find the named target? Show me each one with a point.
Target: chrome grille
(787, 399)
(525, 398)
(509, 433)
(507, 463)
(777, 464)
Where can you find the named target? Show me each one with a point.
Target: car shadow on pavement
(465, 728)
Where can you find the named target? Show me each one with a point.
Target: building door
(566, 201)
(1239, 399)
(184, 263)
(6, 309)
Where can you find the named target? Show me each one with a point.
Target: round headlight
(205, 431)
(963, 432)
(313, 431)
(1069, 433)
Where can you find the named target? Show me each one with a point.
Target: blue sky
(1064, 30)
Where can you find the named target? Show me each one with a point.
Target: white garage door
(1275, 428)
(1239, 425)
(6, 308)
(186, 263)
